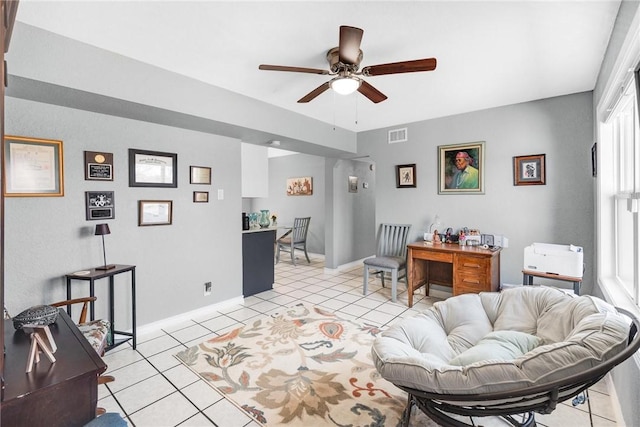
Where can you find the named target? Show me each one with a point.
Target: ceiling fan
(344, 62)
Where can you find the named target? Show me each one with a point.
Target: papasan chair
(520, 351)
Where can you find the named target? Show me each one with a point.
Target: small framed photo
(300, 186)
(353, 184)
(199, 175)
(100, 205)
(98, 166)
(406, 176)
(33, 167)
(461, 168)
(152, 169)
(200, 197)
(155, 212)
(594, 160)
(529, 170)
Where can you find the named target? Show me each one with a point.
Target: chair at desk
(95, 331)
(391, 256)
(296, 238)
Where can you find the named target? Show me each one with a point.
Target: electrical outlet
(207, 289)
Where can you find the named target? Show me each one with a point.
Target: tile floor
(153, 389)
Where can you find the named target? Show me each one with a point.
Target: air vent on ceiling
(398, 135)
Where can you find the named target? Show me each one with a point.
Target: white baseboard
(183, 317)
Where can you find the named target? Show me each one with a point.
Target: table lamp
(101, 230)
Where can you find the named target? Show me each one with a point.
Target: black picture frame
(100, 205)
(406, 176)
(152, 169)
(98, 166)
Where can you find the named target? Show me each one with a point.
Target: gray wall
(625, 377)
(288, 208)
(559, 212)
(47, 237)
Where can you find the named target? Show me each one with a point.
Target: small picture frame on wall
(300, 186)
(406, 176)
(98, 166)
(529, 170)
(200, 197)
(199, 175)
(155, 212)
(353, 184)
(100, 205)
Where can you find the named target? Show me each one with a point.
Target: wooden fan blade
(417, 65)
(349, 47)
(317, 91)
(292, 69)
(371, 92)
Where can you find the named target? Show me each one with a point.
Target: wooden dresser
(64, 393)
(468, 269)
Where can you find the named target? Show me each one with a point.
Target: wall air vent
(398, 135)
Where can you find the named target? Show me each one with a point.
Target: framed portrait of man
(461, 168)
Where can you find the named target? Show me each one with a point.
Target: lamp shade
(345, 85)
(102, 229)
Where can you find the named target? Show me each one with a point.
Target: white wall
(47, 237)
(559, 212)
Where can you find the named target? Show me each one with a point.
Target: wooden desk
(64, 393)
(468, 269)
(91, 276)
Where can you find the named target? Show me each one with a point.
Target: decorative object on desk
(152, 169)
(101, 230)
(41, 342)
(274, 220)
(436, 237)
(264, 218)
(99, 205)
(461, 168)
(98, 166)
(199, 175)
(155, 212)
(33, 167)
(42, 315)
(353, 184)
(529, 170)
(300, 186)
(200, 197)
(406, 176)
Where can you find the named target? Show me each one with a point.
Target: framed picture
(155, 212)
(406, 176)
(99, 205)
(529, 170)
(199, 175)
(152, 169)
(461, 168)
(98, 166)
(353, 184)
(33, 167)
(200, 197)
(300, 186)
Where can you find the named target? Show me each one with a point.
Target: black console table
(91, 276)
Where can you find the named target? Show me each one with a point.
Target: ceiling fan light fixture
(345, 85)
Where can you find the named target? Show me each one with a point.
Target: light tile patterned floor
(153, 389)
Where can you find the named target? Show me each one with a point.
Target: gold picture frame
(33, 167)
(461, 168)
(529, 170)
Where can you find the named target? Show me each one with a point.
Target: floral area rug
(304, 367)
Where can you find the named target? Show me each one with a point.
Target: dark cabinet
(257, 261)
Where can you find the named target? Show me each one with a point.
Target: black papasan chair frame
(542, 399)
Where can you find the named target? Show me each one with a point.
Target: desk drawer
(432, 256)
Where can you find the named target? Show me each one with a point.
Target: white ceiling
(489, 53)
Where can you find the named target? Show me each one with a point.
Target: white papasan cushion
(576, 332)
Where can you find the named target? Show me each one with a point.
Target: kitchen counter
(257, 230)
(257, 260)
